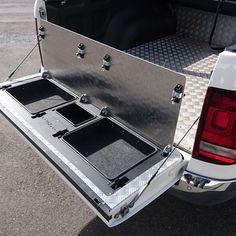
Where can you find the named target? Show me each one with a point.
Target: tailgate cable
(124, 210)
(22, 61)
(218, 9)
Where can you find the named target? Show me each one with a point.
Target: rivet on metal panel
(84, 98)
(106, 62)
(81, 50)
(105, 111)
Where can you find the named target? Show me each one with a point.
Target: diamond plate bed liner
(194, 59)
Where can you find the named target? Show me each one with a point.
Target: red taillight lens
(221, 119)
(216, 136)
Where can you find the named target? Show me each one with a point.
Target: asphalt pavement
(35, 201)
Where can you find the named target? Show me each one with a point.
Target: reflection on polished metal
(138, 92)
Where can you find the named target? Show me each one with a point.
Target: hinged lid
(137, 93)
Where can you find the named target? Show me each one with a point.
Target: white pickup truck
(133, 99)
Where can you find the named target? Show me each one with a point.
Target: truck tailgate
(104, 125)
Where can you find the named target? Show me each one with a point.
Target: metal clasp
(42, 32)
(81, 50)
(106, 62)
(177, 93)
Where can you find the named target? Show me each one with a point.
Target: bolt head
(117, 216)
(41, 28)
(107, 58)
(104, 112)
(46, 75)
(81, 46)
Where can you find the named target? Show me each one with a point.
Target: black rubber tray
(40, 95)
(75, 114)
(110, 148)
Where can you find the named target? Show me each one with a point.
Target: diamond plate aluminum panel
(197, 24)
(138, 92)
(196, 61)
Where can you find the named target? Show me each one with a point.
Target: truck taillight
(38, 39)
(216, 136)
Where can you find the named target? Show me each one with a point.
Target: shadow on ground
(171, 216)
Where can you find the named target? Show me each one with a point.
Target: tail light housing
(216, 135)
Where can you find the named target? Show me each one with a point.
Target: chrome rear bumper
(203, 191)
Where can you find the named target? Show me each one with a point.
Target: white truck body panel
(223, 75)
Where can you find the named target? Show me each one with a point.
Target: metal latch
(106, 62)
(42, 32)
(81, 50)
(177, 93)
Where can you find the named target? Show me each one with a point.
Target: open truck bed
(107, 120)
(188, 52)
